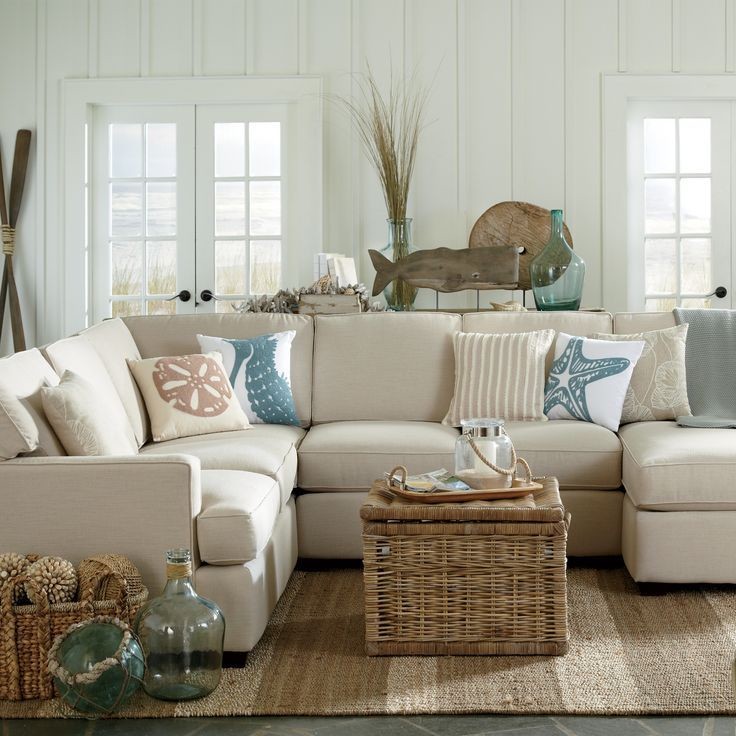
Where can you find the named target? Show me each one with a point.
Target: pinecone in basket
(12, 566)
(56, 576)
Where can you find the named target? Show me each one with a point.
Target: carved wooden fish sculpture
(447, 269)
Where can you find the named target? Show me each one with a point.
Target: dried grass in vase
(389, 128)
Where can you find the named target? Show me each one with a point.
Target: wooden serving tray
(518, 489)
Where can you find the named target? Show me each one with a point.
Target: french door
(681, 202)
(188, 207)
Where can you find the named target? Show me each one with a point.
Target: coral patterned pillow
(187, 395)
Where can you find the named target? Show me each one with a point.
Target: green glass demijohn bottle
(182, 635)
(557, 273)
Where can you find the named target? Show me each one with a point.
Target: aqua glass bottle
(182, 635)
(557, 273)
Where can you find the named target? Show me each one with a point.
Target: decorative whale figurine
(447, 269)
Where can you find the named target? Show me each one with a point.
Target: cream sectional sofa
(371, 390)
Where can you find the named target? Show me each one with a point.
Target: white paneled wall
(514, 113)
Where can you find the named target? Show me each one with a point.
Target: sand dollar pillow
(187, 395)
(658, 388)
(499, 375)
(84, 420)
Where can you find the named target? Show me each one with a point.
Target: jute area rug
(628, 655)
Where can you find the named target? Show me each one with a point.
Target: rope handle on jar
(515, 461)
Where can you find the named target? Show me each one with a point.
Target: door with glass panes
(187, 207)
(680, 195)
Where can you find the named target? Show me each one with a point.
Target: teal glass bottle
(557, 273)
(182, 636)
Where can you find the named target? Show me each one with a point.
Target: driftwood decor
(329, 304)
(9, 218)
(518, 224)
(447, 269)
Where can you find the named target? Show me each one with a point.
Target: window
(189, 205)
(680, 201)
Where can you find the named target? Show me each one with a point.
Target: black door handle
(207, 296)
(720, 292)
(184, 295)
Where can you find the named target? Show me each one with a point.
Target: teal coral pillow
(589, 379)
(259, 369)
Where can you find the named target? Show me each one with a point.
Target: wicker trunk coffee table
(481, 577)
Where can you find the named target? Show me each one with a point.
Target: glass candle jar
(483, 439)
(182, 636)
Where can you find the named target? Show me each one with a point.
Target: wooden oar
(17, 183)
(4, 220)
(18, 180)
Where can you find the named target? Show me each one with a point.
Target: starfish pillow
(589, 379)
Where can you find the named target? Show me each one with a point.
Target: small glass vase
(557, 273)
(182, 635)
(398, 294)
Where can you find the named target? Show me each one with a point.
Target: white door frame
(80, 96)
(620, 261)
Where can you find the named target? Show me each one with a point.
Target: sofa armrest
(75, 507)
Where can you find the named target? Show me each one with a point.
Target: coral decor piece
(54, 576)
(12, 566)
(194, 384)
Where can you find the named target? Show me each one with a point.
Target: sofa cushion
(579, 454)
(383, 366)
(115, 345)
(582, 324)
(239, 510)
(667, 467)
(624, 323)
(177, 335)
(344, 456)
(24, 427)
(268, 449)
(77, 354)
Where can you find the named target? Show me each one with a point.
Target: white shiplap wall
(514, 111)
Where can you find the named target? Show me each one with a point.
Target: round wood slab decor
(515, 223)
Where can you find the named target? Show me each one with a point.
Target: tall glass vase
(399, 295)
(182, 636)
(557, 273)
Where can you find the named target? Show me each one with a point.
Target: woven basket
(27, 632)
(465, 578)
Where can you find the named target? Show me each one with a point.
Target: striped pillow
(499, 376)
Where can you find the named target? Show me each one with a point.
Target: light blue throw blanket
(710, 359)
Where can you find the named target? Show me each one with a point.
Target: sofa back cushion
(77, 354)
(115, 345)
(23, 424)
(383, 366)
(156, 336)
(625, 323)
(582, 324)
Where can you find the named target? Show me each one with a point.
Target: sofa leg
(651, 589)
(234, 660)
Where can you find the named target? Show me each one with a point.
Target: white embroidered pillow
(83, 420)
(499, 376)
(589, 379)
(187, 395)
(658, 388)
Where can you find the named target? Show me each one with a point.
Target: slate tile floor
(381, 726)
